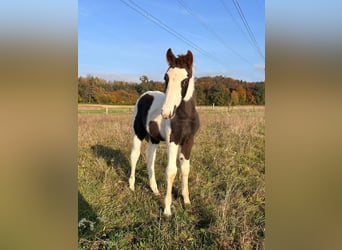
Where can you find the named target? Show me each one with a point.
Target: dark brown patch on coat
(144, 105)
(184, 126)
(154, 134)
(187, 146)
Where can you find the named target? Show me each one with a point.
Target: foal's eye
(184, 82)
(166, 78)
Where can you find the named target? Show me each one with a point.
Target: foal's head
(178, 82)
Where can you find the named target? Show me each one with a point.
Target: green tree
(259, 93)
(88, 89)
(217, 95)
(145, 84)
(200, 96)
(143, 79)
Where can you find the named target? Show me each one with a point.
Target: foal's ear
(170, 57)
(189, 58)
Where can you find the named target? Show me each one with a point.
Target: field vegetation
(226, 184)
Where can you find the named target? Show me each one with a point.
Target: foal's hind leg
(134, 158)
(151, 155)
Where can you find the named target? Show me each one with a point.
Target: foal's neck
(187, 109)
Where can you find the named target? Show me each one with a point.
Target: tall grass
(226, 184)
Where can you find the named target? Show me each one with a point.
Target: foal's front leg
(171, 172)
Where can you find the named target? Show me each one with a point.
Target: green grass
(226, 184)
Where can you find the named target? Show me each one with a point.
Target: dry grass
(227, 186)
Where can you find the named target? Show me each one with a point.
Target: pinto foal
(170, 117)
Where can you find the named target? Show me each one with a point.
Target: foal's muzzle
(168, 114)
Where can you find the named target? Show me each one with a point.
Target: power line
(249, 31)
(236, 22)
(192, 13)
(131, 4)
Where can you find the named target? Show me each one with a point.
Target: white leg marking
(151, 156)
(134, 158)
(185, 167)
(171, 172)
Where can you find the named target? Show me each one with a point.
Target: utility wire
(131, 4)
(249, 31)
(245, 22)
(192, 13)
(236, 22)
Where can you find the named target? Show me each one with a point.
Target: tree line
(218, 90)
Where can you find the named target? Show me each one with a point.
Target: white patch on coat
(171, 171)
(185, 168)
(154, 114)
(190, 90)
(151, 156)
(135, 153)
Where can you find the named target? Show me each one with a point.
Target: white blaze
(173, 91)
(190, 90)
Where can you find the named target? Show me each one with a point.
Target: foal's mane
(181, 61)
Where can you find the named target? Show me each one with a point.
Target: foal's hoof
(131, 187)
(131, 184)
(155, 191)
(167, 215)
(187, 202)
(187, 206)
(167, 212)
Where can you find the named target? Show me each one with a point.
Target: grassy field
(226, 184)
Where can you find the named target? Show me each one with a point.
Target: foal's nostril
(168, 114)
(173, 112)
(165, 116)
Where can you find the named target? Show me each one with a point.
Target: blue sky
(117, 43)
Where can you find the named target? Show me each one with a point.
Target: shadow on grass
(205, 217)
(113, 157)
(84, 209)
(117, 159)
(86, 217)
